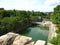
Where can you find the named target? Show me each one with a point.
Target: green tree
(55, 18)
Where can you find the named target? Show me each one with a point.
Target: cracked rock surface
(16, 39)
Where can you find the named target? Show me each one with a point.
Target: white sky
(36, 5)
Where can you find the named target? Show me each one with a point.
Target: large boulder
(7, 39)
(30, 43)
(14, 39)
(40, 42)
(21, 40)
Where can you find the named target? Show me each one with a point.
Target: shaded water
(36, 33)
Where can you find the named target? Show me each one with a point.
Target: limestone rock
(40, 42)
(30, 43)
(21, 40)
(16, 39)
(7, 39)
(49, 44)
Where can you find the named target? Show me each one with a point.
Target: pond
(36, 33)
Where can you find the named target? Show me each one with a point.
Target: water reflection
(36, 33)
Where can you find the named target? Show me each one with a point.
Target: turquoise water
(36, 33)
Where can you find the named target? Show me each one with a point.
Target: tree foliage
(17, 20)
(55, 18)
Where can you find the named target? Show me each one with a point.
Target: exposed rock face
(52, 32)
(21, 40)
(40, 42)
(16, 39)
(7, 39)
(49, 44)
(30, 43)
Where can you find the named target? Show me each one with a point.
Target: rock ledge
(16, 39)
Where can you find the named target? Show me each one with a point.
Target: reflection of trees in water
(34, 25)
(25, 31)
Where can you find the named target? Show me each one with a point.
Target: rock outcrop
(16, 39)
(21, 40)
(9, 37)
(40, 42)
(52, 32)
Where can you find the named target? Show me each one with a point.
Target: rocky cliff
(16, 39)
